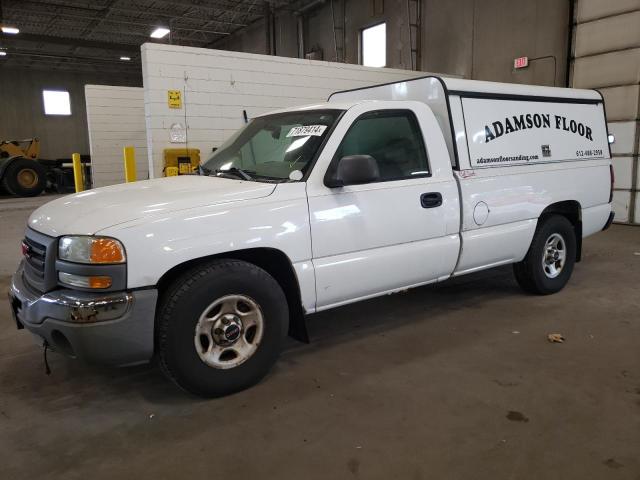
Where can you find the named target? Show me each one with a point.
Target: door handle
(431, 199)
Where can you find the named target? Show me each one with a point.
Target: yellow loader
(20, 172)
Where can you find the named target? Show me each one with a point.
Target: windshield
(277, 147)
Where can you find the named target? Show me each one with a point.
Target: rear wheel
(221, 327)
(549, 262)
(24, 177)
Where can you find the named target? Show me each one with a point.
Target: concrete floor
(444, 382)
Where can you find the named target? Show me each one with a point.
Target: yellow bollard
(78, 177)
(129, 164)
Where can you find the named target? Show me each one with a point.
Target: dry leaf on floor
(555, 338)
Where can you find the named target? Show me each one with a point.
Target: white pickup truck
(378, 190)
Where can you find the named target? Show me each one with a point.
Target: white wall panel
(623, 171)
(608, 34)
(622, 103)
(625, 137)
(588, 10)
(218, 85)
(621, 201)
(606, 55)
(607, 69)
(115, 118)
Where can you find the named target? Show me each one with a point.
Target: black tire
(24, 178)
(181, 307)
(530, 272)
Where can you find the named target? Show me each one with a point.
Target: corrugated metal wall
(472, 38)
(606, 56)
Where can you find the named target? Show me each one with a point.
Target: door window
(393, 139)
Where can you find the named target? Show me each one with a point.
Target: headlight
(92, 250)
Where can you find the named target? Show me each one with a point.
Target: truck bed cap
(477, 88)
(457, 85)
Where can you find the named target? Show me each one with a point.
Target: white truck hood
(88, 212)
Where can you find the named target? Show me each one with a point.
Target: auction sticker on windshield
(306, 130)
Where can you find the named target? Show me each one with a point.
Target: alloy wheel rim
(554, 255)
(229, 331)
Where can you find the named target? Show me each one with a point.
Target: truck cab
(305, 209)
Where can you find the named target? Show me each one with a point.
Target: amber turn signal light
(106, 250)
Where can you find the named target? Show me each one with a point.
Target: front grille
(35, 258)
(39, 261)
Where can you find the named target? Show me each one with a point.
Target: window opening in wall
(56, 102)
(374, 46)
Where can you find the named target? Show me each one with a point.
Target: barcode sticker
(307, 130)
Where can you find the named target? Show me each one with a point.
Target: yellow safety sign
(174, 98)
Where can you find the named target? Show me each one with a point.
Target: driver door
(382, 236)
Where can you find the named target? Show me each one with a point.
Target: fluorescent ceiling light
(160, 32)
(126, 59)
(10, 30)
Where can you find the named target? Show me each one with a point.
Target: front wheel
(221, 327)
(549, 262)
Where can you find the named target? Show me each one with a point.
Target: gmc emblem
(26, 249)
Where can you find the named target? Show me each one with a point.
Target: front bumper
(102, 328)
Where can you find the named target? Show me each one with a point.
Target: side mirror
(354, 170)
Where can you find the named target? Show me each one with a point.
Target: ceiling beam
(193, 23)
(72, 42)
(153, 13)
(147, 25)
(76, 67)
(78, 58)
(98, 19)
(211, 8)
(36, 8)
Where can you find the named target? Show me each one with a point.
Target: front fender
(157, 244)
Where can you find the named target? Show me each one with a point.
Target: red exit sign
(521, 62)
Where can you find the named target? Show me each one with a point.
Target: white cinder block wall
(115, 119)
(218, 85)
(606, 56)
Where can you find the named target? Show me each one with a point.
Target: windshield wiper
(238, 172)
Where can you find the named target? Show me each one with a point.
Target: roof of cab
(315, 106)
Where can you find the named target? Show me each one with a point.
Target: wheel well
(572, 211)
(273, 261)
